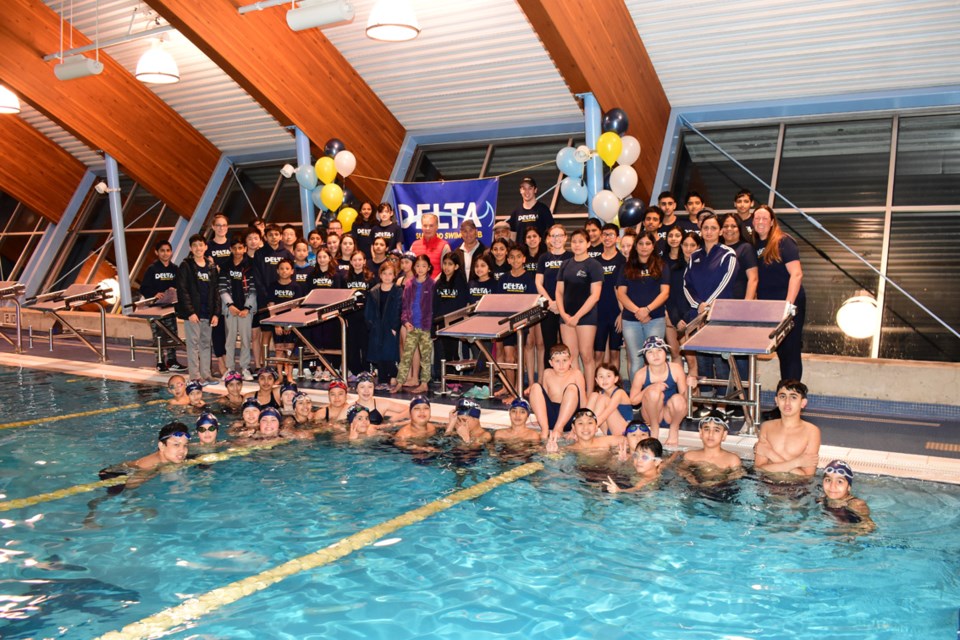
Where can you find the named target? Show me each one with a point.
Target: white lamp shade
(392, 21)
(9, 102)
(157, 66)
(857, 316)
(114, 287)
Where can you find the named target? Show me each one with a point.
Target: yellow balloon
(331, 196)
(609, 147)
(327, 170)
(346, 217)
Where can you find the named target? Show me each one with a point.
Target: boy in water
(519, 431)
(558, 397)
(646, 461)
(206, 427)
(195, 396)
(414, 434)
(711, 465)
(465, 423)
(585, 428)
(171, 448)
(838, 499)
(178, 387)
(789, 446)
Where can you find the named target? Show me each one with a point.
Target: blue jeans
(634, 333)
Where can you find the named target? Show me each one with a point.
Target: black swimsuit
(272, 403)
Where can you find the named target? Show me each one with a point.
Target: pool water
(548, 556)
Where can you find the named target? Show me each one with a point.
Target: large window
(839, 173)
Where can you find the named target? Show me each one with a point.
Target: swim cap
(207, 419)
(467, 407)
(338, 384)
(520, 403)
(840, 468)
(584, 413)
(715, 417)
(232, 376)
(193, 385)
(419, 400)
(288, 387)
(300, 396)
(249, 402)
(366, 376)
(651, 343)
(354, 411)
(269, 411)
(638, 425)
(409, 255)
(270, 370)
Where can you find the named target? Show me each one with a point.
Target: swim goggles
(646, 457)
(637, 426)
(714, 419)
(176, 434)
(652, 343)
(232, 376)
(584, 413)
(840, 468)
(204, 429)
(337, 384)
(520, 403)
(300, 396)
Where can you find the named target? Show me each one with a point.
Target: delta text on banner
(452, 202)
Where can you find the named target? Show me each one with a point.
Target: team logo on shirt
(609, 269)
(323, 282)
(236, 274)
(552, 264)
(284, 293)
(274, 260)
(581, 274)
(478, 291)
(514, 287)
(203, 276)
(164, 276)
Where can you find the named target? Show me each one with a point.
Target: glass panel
(702, 168)
(25, 220)
(838, 164)
(10, 250)
(924, 261)
(169, 218)
(83, 250)
(255, 185)
(450, 163)
(8, 205)
(928, 161)
(831, 274)
(142, 211)
(509, 158)
(286, 206)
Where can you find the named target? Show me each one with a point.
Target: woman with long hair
(781, 278)
(578, 291)
(642, 290)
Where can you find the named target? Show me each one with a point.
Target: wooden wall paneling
(298, 77)
(112, 111)
(597, 49)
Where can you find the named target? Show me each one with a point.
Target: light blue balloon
(307, 176)
(315, 197)
(573, 190)
(567, 163)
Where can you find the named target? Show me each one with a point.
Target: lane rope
(80, 414)
(199, 606)
(59, 494)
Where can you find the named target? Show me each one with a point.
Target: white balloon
(582, 153)
(623, 180)
(606, 205)
(345, 162)
(629, 150)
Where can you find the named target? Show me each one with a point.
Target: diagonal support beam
(618, 73)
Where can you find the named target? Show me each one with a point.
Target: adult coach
(429, 243)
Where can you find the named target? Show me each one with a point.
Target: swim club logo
(452, 203)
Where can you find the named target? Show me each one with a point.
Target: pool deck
(871, 444)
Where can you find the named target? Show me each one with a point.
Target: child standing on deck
(417, 316)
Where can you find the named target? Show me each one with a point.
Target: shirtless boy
(178, 387)
(585, 428)
(558, 397)
(206, 427)
(788, 447)
(647, 458)
(419, 429)
(171, 448)
(518, 431)
(711, 465)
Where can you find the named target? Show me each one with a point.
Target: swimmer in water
(287, 392)
(249, 422)
(358, 419)
(519, 431)
(788, 448)
(178, 387)
(380, 410)
(840, 502)
(585, 428)
(302, 415)
(647, 460)
(206, 428)
(195, 396)
(266, 395)
(711, 465)
(464, 424)
(336, 410)
(413, 436)
(171, 449)
(233, 381)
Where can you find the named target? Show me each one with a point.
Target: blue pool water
(549, 556)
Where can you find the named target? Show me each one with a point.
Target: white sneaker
(247, 375)
(306, 372)
(296, 373)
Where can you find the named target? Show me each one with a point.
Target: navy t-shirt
(497, 271)
(510, 283)
(323, 280)
(391, 233)
(301, 275)
(477, 289)
(774, 277)
(219, 251)
(746, 259)
(644, 290)
(362, 233)
(577, 278)
(608, 307)
(549, 266)
(538, 216)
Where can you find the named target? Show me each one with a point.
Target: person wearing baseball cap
(530, 213)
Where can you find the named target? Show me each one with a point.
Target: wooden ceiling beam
(300, 78)
(112, 111)
(35, 170)
(597, 49)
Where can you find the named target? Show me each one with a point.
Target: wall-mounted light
(102, 188)
(74, 67)
(392, 21)
(113, 287)
(157, 66)
(288, 170)
(316, 14)
(858, 316)
(9, 102)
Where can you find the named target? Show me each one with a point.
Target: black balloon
(335, 146)
(615, 120)
(350, 200)
(631, 212)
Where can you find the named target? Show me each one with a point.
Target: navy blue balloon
(333, 147)
(615, 120)
(350, 200)
(631, 212)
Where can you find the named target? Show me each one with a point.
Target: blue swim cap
(269, 411)
(467, 407)
(840, 468)
(300, 396)
(354, 411)
(250, 402)
(651, 343)
(207, 419)
(419, 400)
(520, 403)
(270, 370)
(193, 385)
(289, 387)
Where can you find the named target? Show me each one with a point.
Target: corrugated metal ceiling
(708, 52)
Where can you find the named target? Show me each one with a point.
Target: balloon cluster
(320, 180)
(616, 203)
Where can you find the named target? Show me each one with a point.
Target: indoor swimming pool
(546, 556)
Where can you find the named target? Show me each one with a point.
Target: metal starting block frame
(11, 291)
(738, 328)
(494, 317)
(318, 306)
(152, 311)
(67, 299)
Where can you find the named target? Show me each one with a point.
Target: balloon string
(508, 173)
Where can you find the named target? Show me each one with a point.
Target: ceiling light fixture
(157, 66)
(392, 21)
(313, 14)
(102, 188)
(9, 102)
(288, 170)
(74, 67)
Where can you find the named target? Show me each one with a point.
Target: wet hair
(171, 428)
(161, 244)
(793, 385)
(633, 270)
(558, 349)
(650, 444)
